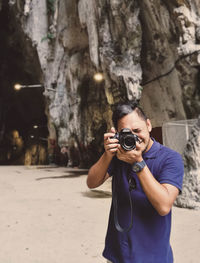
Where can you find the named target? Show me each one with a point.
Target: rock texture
(146, 50)
(74, 41)
(190, 197)
(170, 60)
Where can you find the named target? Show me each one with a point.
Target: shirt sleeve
(172, 170)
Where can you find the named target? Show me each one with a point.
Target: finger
(108, 135)
(113, 130)
(111, 141)
(112, 151)
(111, 146)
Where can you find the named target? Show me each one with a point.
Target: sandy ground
(48, 215)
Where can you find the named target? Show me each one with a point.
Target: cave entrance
(23, 123)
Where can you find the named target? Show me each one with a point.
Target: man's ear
(149, 126)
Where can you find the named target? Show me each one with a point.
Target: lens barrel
(128, 142)
(126, 139)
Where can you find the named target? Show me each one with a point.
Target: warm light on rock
(98, 77)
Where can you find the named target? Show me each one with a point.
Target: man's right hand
(98, 173)
(110, 144)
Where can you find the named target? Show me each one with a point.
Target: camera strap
(132, 186)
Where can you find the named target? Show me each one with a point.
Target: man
(157, 172)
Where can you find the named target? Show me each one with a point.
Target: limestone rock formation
(190, 197)
(170, 60)
(75, 40)
(146, 50)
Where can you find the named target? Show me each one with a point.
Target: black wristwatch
(137, 167)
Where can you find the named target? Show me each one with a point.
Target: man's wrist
(138, 166)
(108, 156)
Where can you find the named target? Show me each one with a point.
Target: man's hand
(98, 174)
(110, 144)
(130, 156)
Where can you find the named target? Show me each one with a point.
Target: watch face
(136, 168)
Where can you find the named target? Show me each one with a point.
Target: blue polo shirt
(148, 241)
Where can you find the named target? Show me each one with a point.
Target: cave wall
(190, 197)
(19, 110)
(146, 50)
(170, 60)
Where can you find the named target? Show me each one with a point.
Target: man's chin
(144, 148)
(147, 146)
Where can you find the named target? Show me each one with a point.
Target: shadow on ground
(97, 194)
(72, 174)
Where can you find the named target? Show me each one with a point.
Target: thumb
(138, 147)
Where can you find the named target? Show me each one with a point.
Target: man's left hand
(130, 156)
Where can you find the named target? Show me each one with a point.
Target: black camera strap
(132, 186)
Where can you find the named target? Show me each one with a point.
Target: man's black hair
(122, 109)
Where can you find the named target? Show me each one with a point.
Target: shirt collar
(152, 152)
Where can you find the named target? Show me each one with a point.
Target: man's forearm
(98, 172)
(160, 196)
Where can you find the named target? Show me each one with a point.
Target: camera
(126, 139)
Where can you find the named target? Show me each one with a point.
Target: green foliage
(51, 6)
(140, 88)
(49, 36)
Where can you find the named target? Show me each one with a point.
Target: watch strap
(138, 166)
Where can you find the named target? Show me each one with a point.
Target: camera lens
(128, 142)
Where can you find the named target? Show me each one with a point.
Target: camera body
(127, 139)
